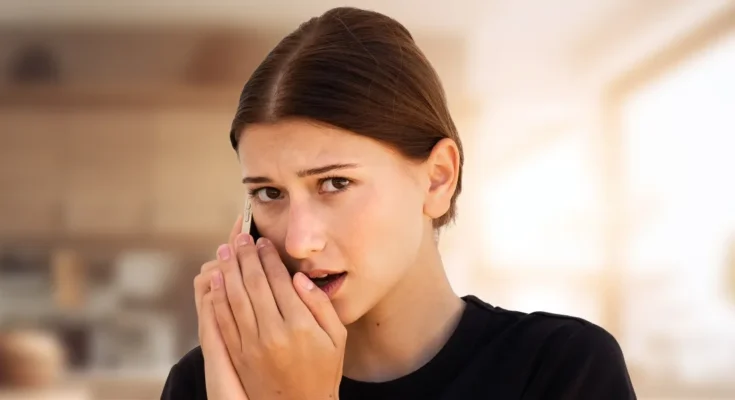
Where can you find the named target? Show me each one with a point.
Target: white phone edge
(247, 216)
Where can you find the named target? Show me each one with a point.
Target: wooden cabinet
(118, 173)
(31, 171)
(196, 189)
(108, 174)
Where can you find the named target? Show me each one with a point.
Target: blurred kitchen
(599, 137)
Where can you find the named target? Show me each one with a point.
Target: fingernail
(304, 281)
(216, 280)
(243, 239)
(262, 242)
(223, 252)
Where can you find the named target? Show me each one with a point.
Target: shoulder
(186, 378)
(575, 342)
(550, 330)
(571, 335)
(565, 355)
(193, 359)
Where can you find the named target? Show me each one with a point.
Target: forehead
(304, 144)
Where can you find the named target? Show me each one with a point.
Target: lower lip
(333, 286)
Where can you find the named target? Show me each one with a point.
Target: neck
(408, 327)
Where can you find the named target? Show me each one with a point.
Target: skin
(220, 375)
(370, 217)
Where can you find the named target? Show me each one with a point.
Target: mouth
(329, 283)
(325, 279)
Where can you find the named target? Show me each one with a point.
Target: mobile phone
(248, 225)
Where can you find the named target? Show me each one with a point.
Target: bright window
(679, 135)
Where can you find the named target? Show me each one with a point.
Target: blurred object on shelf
(35, 64)
(69, 279)
(30, 359)
(46, 394)
(144, 275)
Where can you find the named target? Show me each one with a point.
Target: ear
(442, 169)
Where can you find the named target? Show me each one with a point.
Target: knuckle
(208, 302)
(272, 261)
(256, 282)
(301, 327)
(266, 250)
(201, 284)
(218, 297)
(239, 362)
(237, 301)
(245, 252)
(205, 273)
(227, 267)
(207, 298)
(252, 355)
(276, 342)
(271, 257)
(208, 266)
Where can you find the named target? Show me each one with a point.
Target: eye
(267, 194)
(332, 185)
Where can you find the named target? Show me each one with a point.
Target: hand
(220, 376)
(283, 336)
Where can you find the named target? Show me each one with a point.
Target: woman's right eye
(268, 194)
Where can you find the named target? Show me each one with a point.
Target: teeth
(321, 276)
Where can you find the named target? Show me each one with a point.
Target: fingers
(224, 314)
(287, 300)
(210, 337)
(235, 230)
(218, 367)
(203, 280)
(202, 283)
(321, 308)
(256, 284)
(235, 299)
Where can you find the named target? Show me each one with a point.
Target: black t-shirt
(493, 354)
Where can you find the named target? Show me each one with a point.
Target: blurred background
(599, 137)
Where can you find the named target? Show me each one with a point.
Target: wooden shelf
(119, 96)
(111, 243)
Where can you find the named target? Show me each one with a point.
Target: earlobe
(442, 168)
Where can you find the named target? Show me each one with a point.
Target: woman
(353, 164)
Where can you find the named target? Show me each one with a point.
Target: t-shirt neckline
(441, 369)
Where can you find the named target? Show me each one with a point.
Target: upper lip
(318, 273)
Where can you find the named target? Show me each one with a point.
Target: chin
(348, 313)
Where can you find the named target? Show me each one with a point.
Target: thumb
(321, 308)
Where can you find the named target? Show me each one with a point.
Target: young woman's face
(337, 202)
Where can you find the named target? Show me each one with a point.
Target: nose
(304, 233)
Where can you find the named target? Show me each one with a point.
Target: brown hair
(357, 70)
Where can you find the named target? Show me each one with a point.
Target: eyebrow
(302, 174)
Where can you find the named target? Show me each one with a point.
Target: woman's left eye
(331, 185)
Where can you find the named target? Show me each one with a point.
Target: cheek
(267, 223)
(384, 228)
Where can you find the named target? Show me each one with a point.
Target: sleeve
(177, 386)
(186, 379)
(589, 365)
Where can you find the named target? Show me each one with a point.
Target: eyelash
(253, 193)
